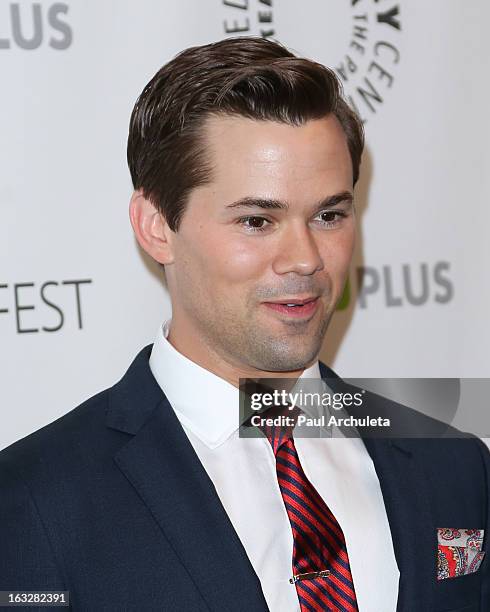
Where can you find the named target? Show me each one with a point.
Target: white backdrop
(77, 298)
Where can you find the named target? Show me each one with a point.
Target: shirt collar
(205, 403)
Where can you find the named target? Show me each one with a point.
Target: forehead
(244, 150)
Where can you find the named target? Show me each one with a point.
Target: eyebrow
(271, 203)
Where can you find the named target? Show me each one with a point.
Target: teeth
(293, 305)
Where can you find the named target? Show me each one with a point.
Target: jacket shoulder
(80, 445)
(59, 440)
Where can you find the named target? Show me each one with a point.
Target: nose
(298, 251)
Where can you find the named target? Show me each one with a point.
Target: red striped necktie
(321, 570)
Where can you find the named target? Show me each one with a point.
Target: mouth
(298, 308)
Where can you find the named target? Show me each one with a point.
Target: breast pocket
(459, 594)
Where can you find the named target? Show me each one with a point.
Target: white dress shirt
(244, 475)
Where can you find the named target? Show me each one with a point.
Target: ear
(150, 228)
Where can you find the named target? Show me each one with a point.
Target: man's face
(274, 226)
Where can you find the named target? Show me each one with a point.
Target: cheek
(226, 260)
(239, 261)
(337, 253)
(348, 245)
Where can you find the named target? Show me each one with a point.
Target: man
(243, 159)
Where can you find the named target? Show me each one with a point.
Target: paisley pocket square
(459, 552)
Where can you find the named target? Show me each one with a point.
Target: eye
(253, 224)
(332, 218)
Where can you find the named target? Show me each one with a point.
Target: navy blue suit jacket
(111, 503)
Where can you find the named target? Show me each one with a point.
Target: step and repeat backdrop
(77, 297)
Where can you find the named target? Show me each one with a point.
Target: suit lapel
(162, 466)
(406, 495)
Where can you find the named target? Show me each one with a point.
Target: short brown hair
(246, 76)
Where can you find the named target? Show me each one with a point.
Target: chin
(289, 361)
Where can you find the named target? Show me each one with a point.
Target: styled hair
(246, 76)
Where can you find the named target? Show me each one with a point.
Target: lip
(306, 307)
(287, 300)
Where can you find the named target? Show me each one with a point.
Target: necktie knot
(278, 423)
